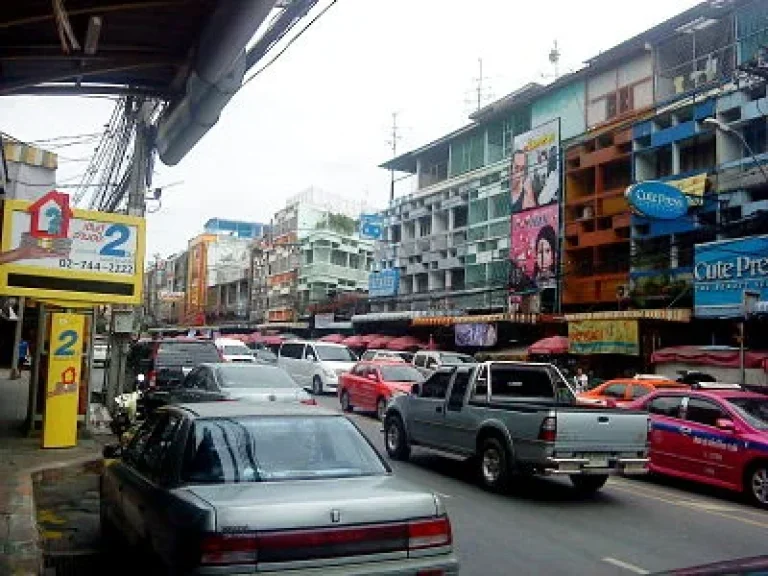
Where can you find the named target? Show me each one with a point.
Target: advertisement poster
(533, 252)
(475, 335)
(383, 284)
(724, 270)
(604, 337)
(535, 170)
(61, 391)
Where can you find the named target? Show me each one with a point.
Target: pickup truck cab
(516, 417)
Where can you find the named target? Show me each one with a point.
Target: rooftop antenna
(394, 137)
(554, 59)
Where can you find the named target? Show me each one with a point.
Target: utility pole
(394, 137)
(479, 88)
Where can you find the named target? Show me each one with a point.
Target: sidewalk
(20, 458)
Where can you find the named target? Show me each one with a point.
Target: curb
(21, 551)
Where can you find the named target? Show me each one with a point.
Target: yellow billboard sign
(693, 188)
(52, 251)
(65, 358)
(604, 337)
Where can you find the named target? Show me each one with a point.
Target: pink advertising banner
(533, 251)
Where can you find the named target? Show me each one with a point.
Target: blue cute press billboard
(657, 200)
(724, 270)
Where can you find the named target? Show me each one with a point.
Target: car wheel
(494, 465)
(756, 484)
(317, 386)
(381, 408)
(395, 438)
(588, 484)
(345, 404)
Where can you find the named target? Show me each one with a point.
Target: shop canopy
(268, 340)
(333, 338)
(405, 343)
(380, 341)
(722, 356)
(551, 345)
(355, 341)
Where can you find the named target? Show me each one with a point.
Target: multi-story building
(258, 303)
(236, 228)
(333, 263)
(303, 214)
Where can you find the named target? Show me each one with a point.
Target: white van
(234, 350)
(315, 365)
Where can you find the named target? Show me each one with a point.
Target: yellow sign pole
(64, 373)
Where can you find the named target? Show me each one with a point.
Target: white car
(234, 351)
(315, 365)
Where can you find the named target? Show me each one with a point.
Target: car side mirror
(112, 451)
(416, 389)
(725, 424)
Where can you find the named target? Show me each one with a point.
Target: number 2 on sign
(113, 248)
(67, 339)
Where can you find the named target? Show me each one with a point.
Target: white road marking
(625, 565)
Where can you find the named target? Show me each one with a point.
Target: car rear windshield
(334, 353)
(753, 410)
(401, 374)
(187, 353)
(235, 350)
(456, 359)
(277, 448)
(254, 376)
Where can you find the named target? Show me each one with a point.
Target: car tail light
(152, 379)
(429, 533)
(548, 430)
(309, 402)
(223, 549)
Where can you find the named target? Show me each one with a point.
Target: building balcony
(448, 263)
(330, 273)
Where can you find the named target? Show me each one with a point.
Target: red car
(370, 385)
(713, 433)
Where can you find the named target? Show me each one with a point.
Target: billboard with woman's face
(533, 250)
(535, 169)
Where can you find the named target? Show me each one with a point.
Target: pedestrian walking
(580, 380)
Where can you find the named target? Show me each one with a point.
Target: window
(615, 391)
(753, 410)
(400, 374)
(261, 449)
(480, 393)
(436, 386)
(332, 353)
(181, 353)
(638, 391)
(153, 461)
(459, 389)
(139, 442)
(668, 406)
(420, 360)
(194, 379)
(368, 355)
(703, 412)
(253, 376)
(516, 382)
(292, 350)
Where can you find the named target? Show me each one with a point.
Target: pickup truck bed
(517, 417)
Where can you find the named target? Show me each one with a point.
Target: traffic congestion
(232, 461)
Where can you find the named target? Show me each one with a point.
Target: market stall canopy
(722, 356)
(380, 341)
(333, 338)
(355, 341)
(405, 343)
(368, 338)
(551, 345)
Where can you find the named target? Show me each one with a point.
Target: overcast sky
(322, 113)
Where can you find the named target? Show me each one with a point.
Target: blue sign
(371, 226)
(384, 283)
(657, 200)
(724, 270)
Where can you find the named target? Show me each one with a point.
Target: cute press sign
(657, 200)
(50, 250)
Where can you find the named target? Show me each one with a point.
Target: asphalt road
(630, 527)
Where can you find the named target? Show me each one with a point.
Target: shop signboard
(64, 373)
(533, 250)
(383, 284)
(535, 170)
(476, 335)
(324, 320)
(604, 337)
(657, 200)
(723, 271)
(53, 251)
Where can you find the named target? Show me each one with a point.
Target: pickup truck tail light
(308, 544)
(548, 430)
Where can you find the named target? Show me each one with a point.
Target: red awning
(273, 340)
(724, 357)
(355, 341)
(405, 343)
(333, 338)
(380, 341)
(368, 338)
(551, 345)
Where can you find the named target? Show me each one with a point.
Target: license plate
(597, 460)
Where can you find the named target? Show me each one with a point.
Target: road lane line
(692, 506)
(625, 565)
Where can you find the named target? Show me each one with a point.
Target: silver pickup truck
(517, 418)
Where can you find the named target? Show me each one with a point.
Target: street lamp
(725, 129)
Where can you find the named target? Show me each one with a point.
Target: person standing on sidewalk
(580, 380)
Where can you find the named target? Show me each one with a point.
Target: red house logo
(51, 215)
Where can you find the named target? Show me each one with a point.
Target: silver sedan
(239, 488)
